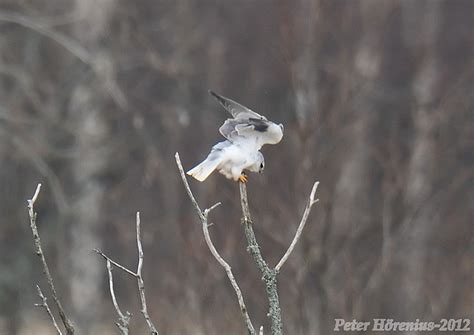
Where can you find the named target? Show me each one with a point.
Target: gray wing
(254, 132)
(237, 110)
(235, 127)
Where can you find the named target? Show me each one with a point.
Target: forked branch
(140, 282)
(203, 216)
(124, 319)
(44, 304)
(269, 275)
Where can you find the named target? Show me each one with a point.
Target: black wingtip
(218, 97)
(214, 94)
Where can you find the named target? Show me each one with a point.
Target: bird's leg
(243, 178)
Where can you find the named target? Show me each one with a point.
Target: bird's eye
(261, 165)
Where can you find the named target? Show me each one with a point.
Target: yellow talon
(243, 178)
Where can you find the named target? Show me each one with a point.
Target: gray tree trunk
(92, 158)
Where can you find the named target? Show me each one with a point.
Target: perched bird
(245, 135)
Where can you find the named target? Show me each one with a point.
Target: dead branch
(45, 305)
(39, 251)
(140, 282)
(121, 267)
(307, 210)
(269, 275)
(124, 319)
(203, 216)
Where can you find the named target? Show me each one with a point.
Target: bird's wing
(251, 132)
(237, 110)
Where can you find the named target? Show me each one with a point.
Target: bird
(245, 134)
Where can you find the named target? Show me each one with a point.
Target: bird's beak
(281, 126)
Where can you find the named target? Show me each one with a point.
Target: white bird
(245, 135)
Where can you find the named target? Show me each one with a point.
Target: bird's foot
(243, 178)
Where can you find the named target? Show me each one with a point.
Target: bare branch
(252, 244)
(208, 210)
(39, 251)
(35, 196)
(188, 189)
(269, 276)
(203, 216)
(44, 302)
(231, 277)
(124, 319)
(121, 267)
(141, 284)
(299, 231)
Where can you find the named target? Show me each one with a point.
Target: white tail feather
(203, 170)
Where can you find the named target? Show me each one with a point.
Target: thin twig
(121, 267)
(32, 201)
(124, 319)
(44, 304)
(141, 284)
(203, 216)
(307, 210)
(39, 251)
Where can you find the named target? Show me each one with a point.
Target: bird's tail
(203, 170)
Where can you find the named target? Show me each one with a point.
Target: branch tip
(299, 231)
(188, 189)
(313, 191)
(32, 201)
(39, 251)
(208, 210)
(107, 258)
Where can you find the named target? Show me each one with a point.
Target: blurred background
(377, 102)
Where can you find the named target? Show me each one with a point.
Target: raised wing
(237, 110)
(252, 132)
(230, 126)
